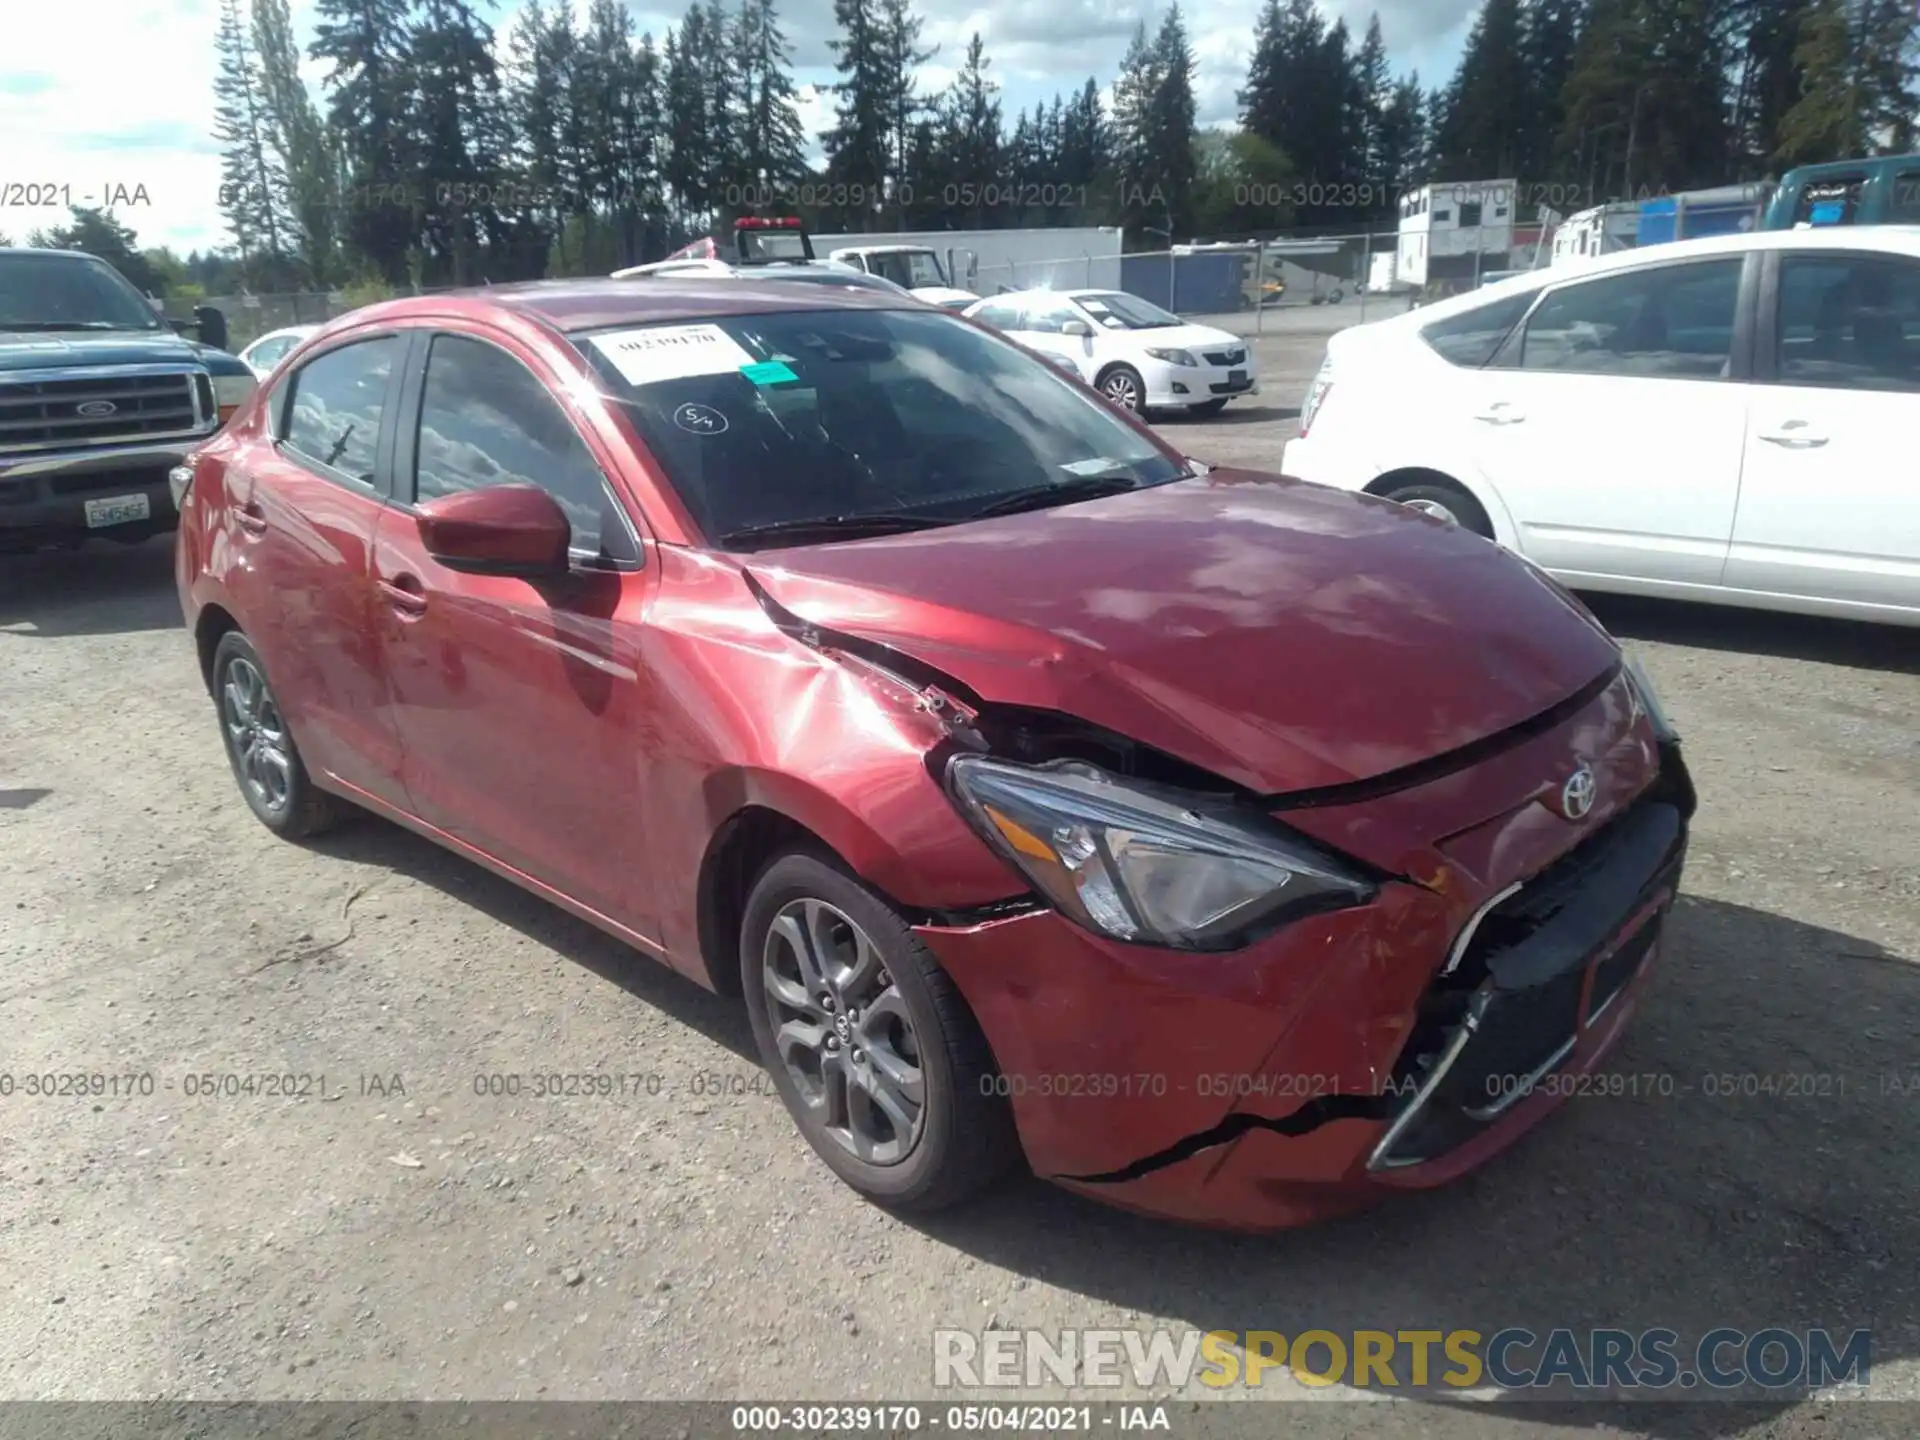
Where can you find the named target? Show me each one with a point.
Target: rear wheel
(1444, 501)
(273, 780)
(879, 1060)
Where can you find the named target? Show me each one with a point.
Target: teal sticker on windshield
(768, 372)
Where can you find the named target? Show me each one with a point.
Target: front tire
(1444, 501)
(1124, 387)
(266, 763)
(879, 1060)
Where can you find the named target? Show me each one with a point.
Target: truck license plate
(117, 510)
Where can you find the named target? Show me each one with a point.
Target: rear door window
(1661, 322)
(333, 414)
(1849, 322)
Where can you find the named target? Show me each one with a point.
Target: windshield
(53, 291)
(1119, 311)
(763, 420)
(911, 268)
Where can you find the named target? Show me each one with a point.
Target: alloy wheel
(256, 734)
(1122, 391)
(843, 1032)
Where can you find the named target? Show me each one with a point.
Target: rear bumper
(43, 498)
(1392, 1047)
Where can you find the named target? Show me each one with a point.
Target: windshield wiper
(831, 525)
(1057, 492)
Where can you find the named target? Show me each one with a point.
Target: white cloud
(96, 95)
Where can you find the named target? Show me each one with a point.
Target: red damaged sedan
(1220, 846)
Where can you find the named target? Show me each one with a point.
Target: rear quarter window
(1472, 337)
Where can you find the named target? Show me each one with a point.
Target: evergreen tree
(1549, 37)
(970, 144)
(901, 55)
(1376, 88)
(455, 136)
(859, 145)
(773, 145)
(1172, 114)
(309, 157)
(1766, 36)
(688, 167)
(370, 90)
(1489, 104)
(1142, 201)
(1858, 89)
(252, 183)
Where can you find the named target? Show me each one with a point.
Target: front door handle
(252, 518)
(405, 595)
(1794, 435)
(1501, 412)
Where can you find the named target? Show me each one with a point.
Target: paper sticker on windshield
(1099, 465)
(768, 372)
(671, 352)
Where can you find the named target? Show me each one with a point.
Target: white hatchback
(1136, 354)
(271, 348)
(1729, 419)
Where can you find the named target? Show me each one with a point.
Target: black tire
(965, 1138)
(1124, 379)
(1206, 408)
(303, 809)
(1433, 495)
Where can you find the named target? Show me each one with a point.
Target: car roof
(1889, 239)
(602, 302)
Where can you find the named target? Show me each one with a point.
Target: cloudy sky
(112, 99)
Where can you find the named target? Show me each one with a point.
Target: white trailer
(989, 261)
(1600, 231)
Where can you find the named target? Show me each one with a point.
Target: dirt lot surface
(395, 1231)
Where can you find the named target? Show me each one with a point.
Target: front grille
(1516, 998)
(48, 414)
(1225, 357)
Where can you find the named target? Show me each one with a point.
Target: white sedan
(271, 348)
(1136, 354)
(1728, 419)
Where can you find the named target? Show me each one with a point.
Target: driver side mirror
(1076, 327)
(517, 530)
(212, 326)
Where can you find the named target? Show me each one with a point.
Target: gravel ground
(394, 1233)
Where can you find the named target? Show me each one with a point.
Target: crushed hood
(1281, 635)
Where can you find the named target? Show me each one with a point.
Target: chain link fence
(1281, 284)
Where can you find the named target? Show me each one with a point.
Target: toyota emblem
(1577, 795)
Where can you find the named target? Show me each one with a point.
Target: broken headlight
(1147, 864)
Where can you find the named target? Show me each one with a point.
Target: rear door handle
(404, 594)
(252, 518)
(1501, 412)
(1794, 435)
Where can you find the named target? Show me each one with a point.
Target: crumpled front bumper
(1394, 1046)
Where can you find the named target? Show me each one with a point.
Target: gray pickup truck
(99, 400)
